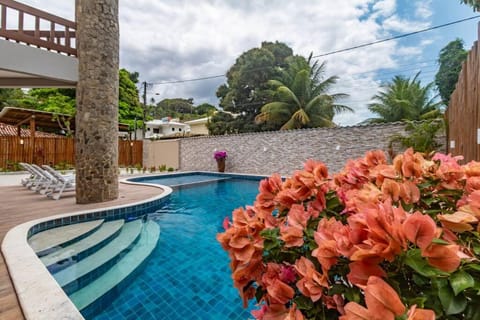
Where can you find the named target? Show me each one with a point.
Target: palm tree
(475, 4)
(404, 99)
(301, 99)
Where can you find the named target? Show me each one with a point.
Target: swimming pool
(179, 179)
(187, 276)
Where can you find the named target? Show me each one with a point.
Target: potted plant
(220, 157)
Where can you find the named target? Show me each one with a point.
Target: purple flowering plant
(220, 155)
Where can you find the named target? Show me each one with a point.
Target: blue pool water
(180, 179)
(188, 274)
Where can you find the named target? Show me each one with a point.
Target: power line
(394, 38)
(329, 53)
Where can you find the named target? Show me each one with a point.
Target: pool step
(77, 251)
(83, 272)
(47, 241)
(121, 270)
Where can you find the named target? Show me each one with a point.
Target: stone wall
(285, 151)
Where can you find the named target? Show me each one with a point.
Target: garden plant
(375, 241)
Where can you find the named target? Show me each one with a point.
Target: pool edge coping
(39, 295)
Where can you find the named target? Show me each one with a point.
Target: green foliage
(221, 123)
(421, 136)
(204, 109)
(170, 169)
(64, 165)
(247, 86)
(162, 167)
(60, 103)
(404, 99)
(129, 107)
(450, 60)
(475, 4)
(10, 97)
(302, 100)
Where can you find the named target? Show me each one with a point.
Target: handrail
(60, 37)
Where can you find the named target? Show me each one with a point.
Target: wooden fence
(56, 150)
(463, 113)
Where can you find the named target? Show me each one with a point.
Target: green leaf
(419, 280)
(303, 303)
(472, 266)
(352, 294)
(440, 241)
(451, 304)
(415, 261)
(259, 294)
(419, 301)
(476, 248)
(460, 281)
(473, 311)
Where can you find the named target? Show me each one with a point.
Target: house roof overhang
(19, 116)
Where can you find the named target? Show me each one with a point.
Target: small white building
(165, 127)
(199, 126)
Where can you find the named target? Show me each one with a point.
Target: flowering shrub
(220, 155)
(375, 241)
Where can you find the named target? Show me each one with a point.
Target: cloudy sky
(170, 40)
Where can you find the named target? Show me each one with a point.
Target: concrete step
(121, 270)
(50, 240)
(85, 271)
(58, 259)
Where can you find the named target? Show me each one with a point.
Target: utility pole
(144, 106)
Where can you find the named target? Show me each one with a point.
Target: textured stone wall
(285, 151)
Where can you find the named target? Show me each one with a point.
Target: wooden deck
(18, 205)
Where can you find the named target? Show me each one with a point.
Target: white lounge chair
(65, 182)
(37, 180)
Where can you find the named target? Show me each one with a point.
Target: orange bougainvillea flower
(420, 314)
(354, 311)
(311, 283)
(419, 229)
(457, 222)
(443, 257)
(279, 292)
(292, 236)
(410, 164)
(360, 272)
(382, 300)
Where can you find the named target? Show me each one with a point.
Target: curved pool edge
(38, 293)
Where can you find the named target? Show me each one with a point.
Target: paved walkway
(19, 205)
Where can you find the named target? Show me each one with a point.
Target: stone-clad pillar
(96, 121)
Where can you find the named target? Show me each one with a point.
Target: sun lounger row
(46, 180)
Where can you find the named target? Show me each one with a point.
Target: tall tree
(10, 97)
(475, 4)
(204, 109)
(247, 86)
(129, 107)
(450, 60)
(303, 100)
(405, 99)
(60, 103)
(96, 135)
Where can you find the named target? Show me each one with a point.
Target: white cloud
(180, 39)
(423, 9)
(384, 8)
(397, 24)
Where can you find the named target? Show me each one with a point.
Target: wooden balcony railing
(59, 37)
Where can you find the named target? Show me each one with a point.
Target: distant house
(198, 126)
(165, 127)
